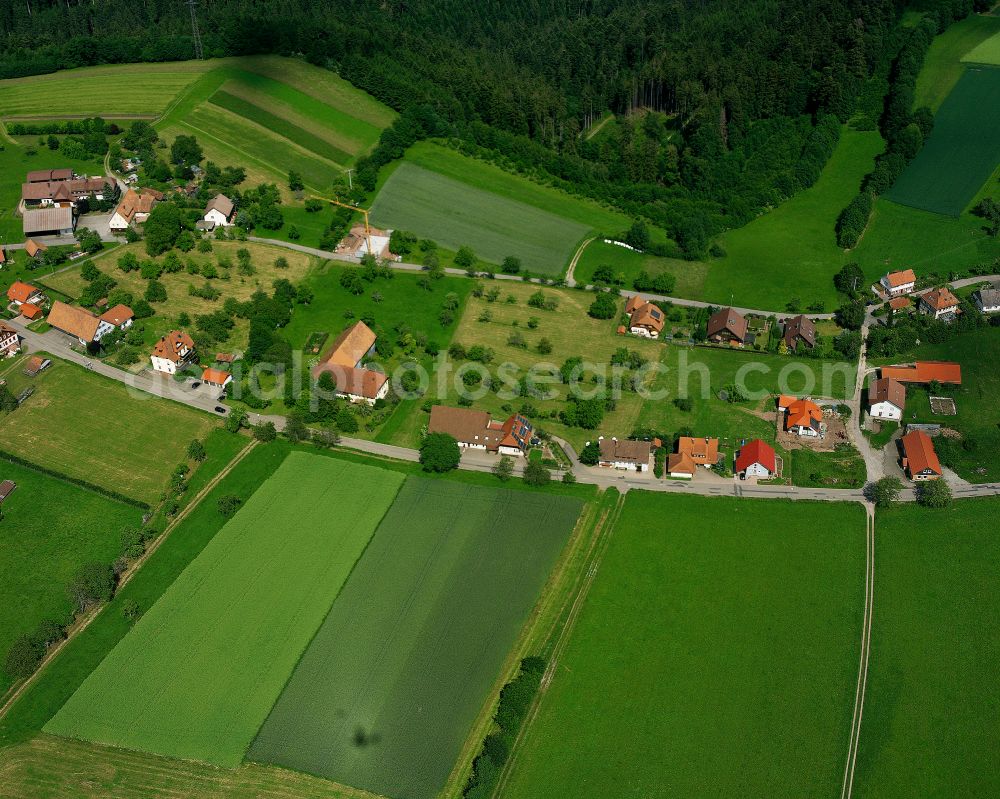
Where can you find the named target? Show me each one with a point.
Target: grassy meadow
(791, 251)
(987, 52)
(689, 275)
(929, 725)
(715, 655)
(963, 149)
(199, 672)
(417, 637)
(94, 429)
(50, 528)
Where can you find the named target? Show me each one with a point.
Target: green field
(199, 672)
(931, 708)
(457, 200)
(943, 64)
(791, 252)
(987, 52)
(50, 528)
(417, 637)
(689, 275)
(716, 655)
(962, 151)
(95, 429)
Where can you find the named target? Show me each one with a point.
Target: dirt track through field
(866, 633)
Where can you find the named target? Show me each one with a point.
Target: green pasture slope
(930, 723)
(199, 672)
(716, 655)
(946, 58)
(963, 149)
(457, 200)
(987, 52)
(385, 695)
(50, 528)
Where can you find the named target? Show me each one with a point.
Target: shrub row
(75, 480)
(515, 699)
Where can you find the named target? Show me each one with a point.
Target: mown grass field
(943, 65)
(987, 52)
(199, 672)
(456, 200)
(963, 150)
(80, 656)
(385, 695)
(791, 252)
(94, 429)
(844, 469)
(716, 655)
(50, 528)
(930, 714)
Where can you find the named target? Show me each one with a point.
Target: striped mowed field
(199, 672)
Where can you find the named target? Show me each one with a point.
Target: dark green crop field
(962, 151)
(386, 694)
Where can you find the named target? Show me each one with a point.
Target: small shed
(6, 488)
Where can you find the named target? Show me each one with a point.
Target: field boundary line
(88, 617)
(847, 787)
(599, 548)
(460, 772)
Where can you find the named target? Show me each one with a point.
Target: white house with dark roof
(220, 211)
(987, 300)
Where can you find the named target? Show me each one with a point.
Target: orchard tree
(503, 468)
(536, 474)
(934, 494)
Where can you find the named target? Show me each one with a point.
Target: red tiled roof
(351, 380)
(802, 413)
(919, 452)
(19, 292)
(74, 320)
(30, 311)
(171, 345)
(940, 299)
(757, 451)
(726, 319)
(217, 376)
(897, 279)
(925, 372)
(351, 346)
(118, 315)
(887, 390)
(898, 303)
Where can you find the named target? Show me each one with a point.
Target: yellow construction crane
(368, 235)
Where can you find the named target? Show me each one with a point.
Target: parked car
(219, 409)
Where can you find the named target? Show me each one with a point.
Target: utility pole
(199, 53)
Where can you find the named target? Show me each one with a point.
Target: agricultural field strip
(197, 675)
(91, 96)
(963, 149)
(415, 640)
(987, 52)
(456, 214)
(283, 126)
(329, 122)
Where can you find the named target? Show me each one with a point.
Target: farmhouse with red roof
(756, 459)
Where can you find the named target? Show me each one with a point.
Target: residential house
(645, 319)
(477, 430)
(343, 363)
(886, 399)
(897, 283)
(31, 312)
(919, 458)
(900, 303)
(939, 303)
(217, 378)
(119, 316)
(692, 453)
(134, 208)
(54, 221)
(926, 372)
(804, 418)
(172, 352)
(355, 243)
(756, 459)
(623, 453)
(10, 341)
(986, 300)
(85, 326)
(220, 210)
(727, 326)
(20, 293)
(800, 330)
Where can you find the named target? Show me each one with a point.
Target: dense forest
(726, 107)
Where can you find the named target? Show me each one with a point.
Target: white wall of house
(886, 410)
(904, 288)
(628, 465)
(102, 330)
(937, 314)
(685, 475)
(10, 345)
(986, 308)
(802, 430)
(641, 331)
(757, 470)
(471, 445)
(515, 451)
(164, 365)
(118, 222)
(216, 216)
